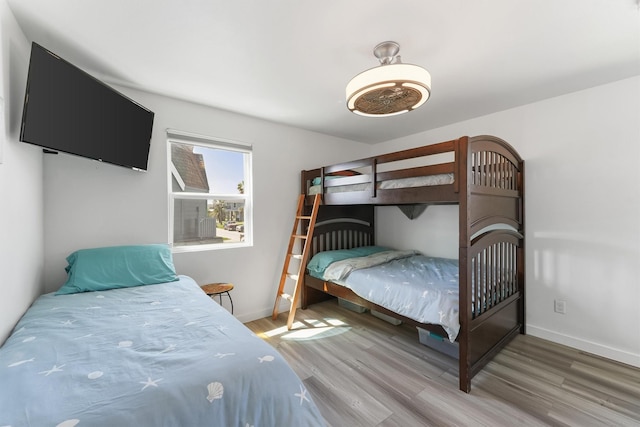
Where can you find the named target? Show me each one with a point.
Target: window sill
(209, 247)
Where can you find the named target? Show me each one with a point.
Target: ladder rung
(287, 297)
(299, 236)
(296, 256)
(292, 276)
(303, 217)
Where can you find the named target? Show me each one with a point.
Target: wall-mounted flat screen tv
(68, 110)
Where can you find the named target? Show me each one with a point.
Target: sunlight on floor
(309, 329)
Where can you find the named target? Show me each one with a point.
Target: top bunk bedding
(160, 354)
(421, 181)
(446, 172)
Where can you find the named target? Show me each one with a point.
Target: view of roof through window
(224, 169)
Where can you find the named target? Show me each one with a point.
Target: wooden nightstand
(213, 289)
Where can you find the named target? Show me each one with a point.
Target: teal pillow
(318, 180)
(100, 269)
(322, 260)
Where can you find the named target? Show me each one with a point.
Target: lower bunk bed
(422, 291)
(106, 351)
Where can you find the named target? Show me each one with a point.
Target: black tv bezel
(49, 148)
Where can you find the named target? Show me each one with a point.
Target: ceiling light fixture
(390, 89)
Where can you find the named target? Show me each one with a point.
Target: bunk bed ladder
(298, 233)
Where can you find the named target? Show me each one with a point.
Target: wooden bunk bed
(484, 177)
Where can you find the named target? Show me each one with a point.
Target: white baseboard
(265, 312)
(248, 317)
(588, 346)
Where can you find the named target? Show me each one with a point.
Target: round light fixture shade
(390, 89)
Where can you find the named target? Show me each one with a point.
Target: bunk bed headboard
(343, 227)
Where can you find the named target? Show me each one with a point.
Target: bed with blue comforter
(422, 288)
(156, 355)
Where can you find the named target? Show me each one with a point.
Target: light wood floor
(362, 371)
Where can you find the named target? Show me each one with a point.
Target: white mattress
(419, 181)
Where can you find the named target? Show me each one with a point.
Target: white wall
(91, 204)
(21, 223)
(582, 162)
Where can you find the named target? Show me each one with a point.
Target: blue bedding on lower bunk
(155, 355)
(423, 288)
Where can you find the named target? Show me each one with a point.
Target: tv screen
(67, 110)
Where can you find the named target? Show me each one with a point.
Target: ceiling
(289, 61)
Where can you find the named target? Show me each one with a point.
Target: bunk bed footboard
(494, 296)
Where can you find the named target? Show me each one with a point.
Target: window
(209, 192)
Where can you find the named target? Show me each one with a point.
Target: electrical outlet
(560, 306)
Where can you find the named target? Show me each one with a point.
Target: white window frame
(216, 143)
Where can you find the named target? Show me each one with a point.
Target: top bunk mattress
(419, 181)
